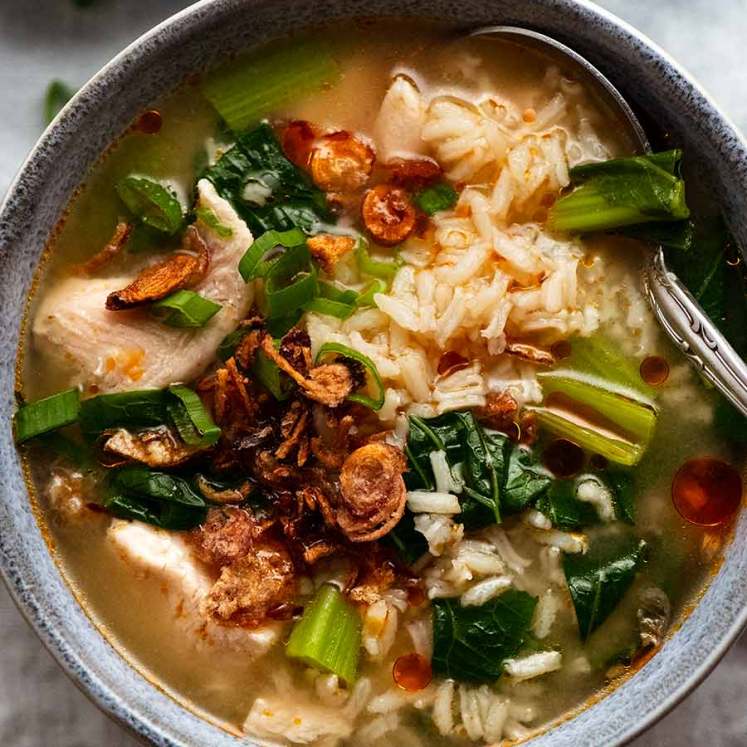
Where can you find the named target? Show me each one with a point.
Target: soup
(345, 412)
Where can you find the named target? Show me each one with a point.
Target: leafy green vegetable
(623, 489)
(185, 308)
(155, 205)
(679, 235)
(564, 510)
(210, 219)
(45, 415)
(139, 409)
(471, 644)
(245, 90)
(167, 501)
(265, 188)
(622, 192)
(328, 636)
(599, 579)
(409, 543)
(441, 196)
(526, 480)
(58, 93)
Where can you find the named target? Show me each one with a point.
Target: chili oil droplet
(412, 672)
(707, 491)
(563, 458)
(654, 370)
(149, 122)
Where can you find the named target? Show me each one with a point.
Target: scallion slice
(155, 205)
(255, 264)
(185, 308)
(198, 428)
(330, 308)
(374, 267)
(290, 283)
(328, 635)
(335, 348)
(45, 415)
(211, 220)
(244, 91)
(366, 296)
(140, 408)
(441, 196)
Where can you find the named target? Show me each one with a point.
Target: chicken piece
(297, 722)
(253, 585)
(167, 558)
(388, 214)
(400, 121)
(328, 249)
(156, 447)
(373, 492)
(341, 162)
(118, 350)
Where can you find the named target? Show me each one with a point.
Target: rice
(592, 490)
(533, 665)
(423, 501)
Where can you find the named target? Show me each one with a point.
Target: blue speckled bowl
(101, 111)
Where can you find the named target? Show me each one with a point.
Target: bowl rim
(109, 699)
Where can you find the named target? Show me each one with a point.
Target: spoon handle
(694, 332)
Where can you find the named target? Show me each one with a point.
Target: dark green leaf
(57, 95)
(471, 644)
(623, 489)
(141, 481)
(564, 510)
(599, 579)
(154, 204)
(526, 480)
(138, 409)
(679, 235)
(408, 541)
(173, 516)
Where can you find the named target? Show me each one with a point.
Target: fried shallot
(114, 246)
(388, 214)
(328, 249)
(226, 535)
(530, 353)
(372, 490)
(180, 270)
(156, 447)
(413, 172)
(341, 162)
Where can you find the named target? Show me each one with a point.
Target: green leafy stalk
(441, 196)
(45, 415)
(328, 636)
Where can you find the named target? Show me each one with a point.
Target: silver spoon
(676, 309)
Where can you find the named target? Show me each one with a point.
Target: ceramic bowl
(154, 64)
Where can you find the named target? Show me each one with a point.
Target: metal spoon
(673, 305)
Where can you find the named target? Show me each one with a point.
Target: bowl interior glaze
(155, 64)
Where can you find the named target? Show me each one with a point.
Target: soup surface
(453, 525)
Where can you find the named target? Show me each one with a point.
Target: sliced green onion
(366, 296)
(45, 415)
(230, 342)
(636, 417)
(254, 263)
(207, 216)
(245, 91)
(290, 283)
(271, 377)
(328, 635)
(441, 196)
(139, 409)
(57, 95)
(279, 326)
(185, 308)
(330, 308)
(198, 428)
(332, 348)
(151, 202)
(374, 267)
(334, 293)
(610, 446)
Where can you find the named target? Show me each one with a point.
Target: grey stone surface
(41, 39)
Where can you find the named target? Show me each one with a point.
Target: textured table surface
(41, 39)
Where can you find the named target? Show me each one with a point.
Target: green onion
(271, 377)
(373, 267)
(155, 205)
(140, 408)
(211, 220)
(610, 446)
(621, 192)
(45, 415)
(254, 263)
(245, 91)
(197, 428)
(57, 95)
(376, 402)
(330, 308)
(328, 636)
(636, 417)
(366, 296)
(185, 308)
(230, 342)
(441, 196)
(290, 283)
(334, 293)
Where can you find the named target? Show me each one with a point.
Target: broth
(135, 611)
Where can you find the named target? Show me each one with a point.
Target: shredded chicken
(328, 249)
(115, 245)
(156, 447)
(373, 493)
(180, 270)
(388, 214)
(249, 588)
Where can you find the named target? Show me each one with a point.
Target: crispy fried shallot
(328, 249)
(298, 142)
(180, 270)
(227, 495)
(372, 492)
(293, 427)
(413, 172)
(500, 411)
(112, 249)
(388, 214)
(295, 347)
(253, 585)
(530, 353)
(341, 162)
(156, 447)
(226, 535)
(328, 384)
